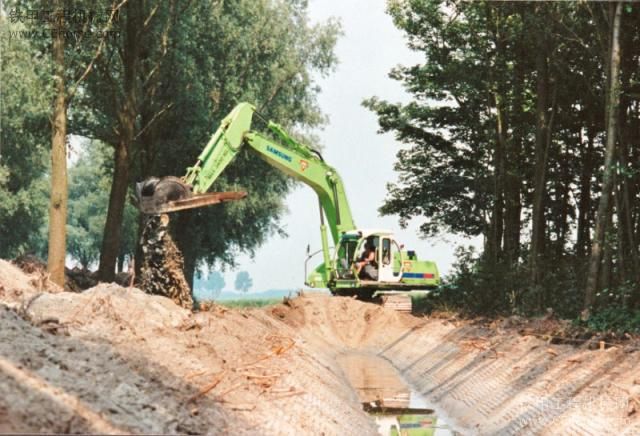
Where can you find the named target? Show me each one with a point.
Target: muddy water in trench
(397, 409)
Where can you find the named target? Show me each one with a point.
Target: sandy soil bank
(116, 360)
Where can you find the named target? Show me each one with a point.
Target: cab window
(386, 251)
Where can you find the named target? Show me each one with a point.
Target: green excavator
(362, 261)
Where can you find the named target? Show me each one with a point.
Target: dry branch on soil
(289, 394)
(277, 348)
(207, 388)
(242, 407)
(195, 374)
(220, 396)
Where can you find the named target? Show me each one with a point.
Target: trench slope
(114, 359)
(488, 380)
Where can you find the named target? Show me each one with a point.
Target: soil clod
(162, 267)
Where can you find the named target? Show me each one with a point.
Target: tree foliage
(263, 52)
(24, 142)
(89, 183)
(156, 90)
(505, 138)
(196, 60)
(210, 288)
(243, 282)
(60, 38)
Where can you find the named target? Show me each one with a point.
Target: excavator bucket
(156, 196)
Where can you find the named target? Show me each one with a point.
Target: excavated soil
(163, 265)
(116, 360)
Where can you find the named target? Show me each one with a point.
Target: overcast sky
(370, 47)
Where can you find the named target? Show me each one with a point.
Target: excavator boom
(295, 159)
(278, 149)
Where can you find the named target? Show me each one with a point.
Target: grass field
(258, 302)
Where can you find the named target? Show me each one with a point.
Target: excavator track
(397, 302)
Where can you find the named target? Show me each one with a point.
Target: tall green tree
(505, 138)
(70, 62)
(468, 124)
(127, 110)
(210, 288)
(268, 61)
(243, 282)
(261, 51)
(89, 182)
(58, 201)
(24, 141)
(613, 109)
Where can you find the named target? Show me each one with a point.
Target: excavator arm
(221, 149)
(284, 153)
(171, 194)
(278, 150)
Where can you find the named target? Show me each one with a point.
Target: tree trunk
(494, 248)
(628, 239)
(120, 264)
(607, 180)
(607, 263)
(58, 201)
(605, 270)
(622, 264)
(497, 226)
(563, 191)
(584, 204)
(539, 192)
(190, 269)
(138, 254)
(146, 160)
(513, 178)
(126, 129)
(113, 226)
(514, 170)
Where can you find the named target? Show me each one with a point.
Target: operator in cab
(367, 267)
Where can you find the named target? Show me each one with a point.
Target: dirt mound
(76, 279)
(17, 286)
(115, 359)
(344, 322)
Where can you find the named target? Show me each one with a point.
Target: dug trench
(113, 359)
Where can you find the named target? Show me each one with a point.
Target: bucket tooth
(156, 196)
(199, 200)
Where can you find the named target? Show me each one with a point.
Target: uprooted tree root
(162, 270)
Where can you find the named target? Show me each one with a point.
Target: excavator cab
(387, 263)
(395, 268)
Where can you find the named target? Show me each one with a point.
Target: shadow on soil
(69, 383)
